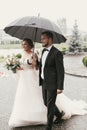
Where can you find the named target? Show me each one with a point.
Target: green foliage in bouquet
(18, 55)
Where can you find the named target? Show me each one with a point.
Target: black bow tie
(45, 49)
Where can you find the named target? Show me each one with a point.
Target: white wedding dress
(29, 109)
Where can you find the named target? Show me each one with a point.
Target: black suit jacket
(53, 70)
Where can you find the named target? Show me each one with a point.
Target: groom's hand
(59, 91)
(34, 60)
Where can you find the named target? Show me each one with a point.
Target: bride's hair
(29, 41)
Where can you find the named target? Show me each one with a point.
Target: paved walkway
(74, 66)
(72, 85)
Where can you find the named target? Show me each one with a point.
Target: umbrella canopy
(32, 27)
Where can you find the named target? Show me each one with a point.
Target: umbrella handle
(35, 38)
(33, 48)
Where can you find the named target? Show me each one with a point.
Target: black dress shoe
(59, 119)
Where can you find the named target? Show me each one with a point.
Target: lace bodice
(25, 57)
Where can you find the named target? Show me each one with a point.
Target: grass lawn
(10, 46)
(2, 59)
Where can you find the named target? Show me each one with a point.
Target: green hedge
(84, 60)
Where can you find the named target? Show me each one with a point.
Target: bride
(28, 108)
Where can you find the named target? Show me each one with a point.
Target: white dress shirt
(44, 56)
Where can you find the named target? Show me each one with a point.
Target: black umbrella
(32, 27)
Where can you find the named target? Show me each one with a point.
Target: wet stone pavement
(75, 88)
(74, 65)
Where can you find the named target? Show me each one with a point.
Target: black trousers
(49, 98)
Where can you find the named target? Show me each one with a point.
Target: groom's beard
(45, 45)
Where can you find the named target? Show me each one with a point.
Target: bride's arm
(28, 61)
(25, 60)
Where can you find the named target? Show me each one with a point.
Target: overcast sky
(51, 9)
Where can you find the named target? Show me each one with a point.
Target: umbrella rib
(27, 27)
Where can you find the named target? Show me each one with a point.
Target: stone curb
(76, 75)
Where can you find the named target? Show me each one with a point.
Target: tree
(75, 41)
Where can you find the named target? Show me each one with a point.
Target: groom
(51, 76)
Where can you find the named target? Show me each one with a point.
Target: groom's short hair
(48, 34)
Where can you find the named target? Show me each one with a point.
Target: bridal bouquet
(13, 63)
